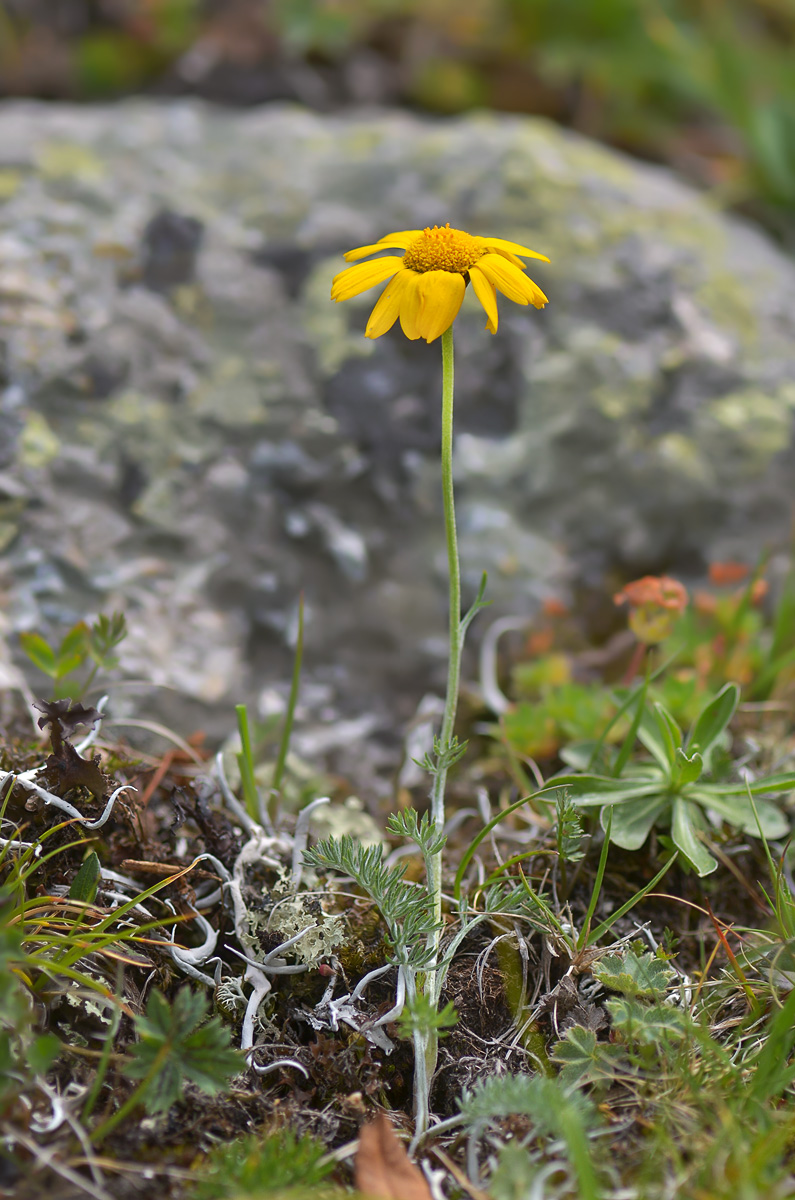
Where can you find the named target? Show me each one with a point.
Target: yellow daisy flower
(427, 284)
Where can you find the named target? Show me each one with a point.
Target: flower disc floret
(426, 284)
(442, 249)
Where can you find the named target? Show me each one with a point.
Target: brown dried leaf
(67, 770)
(63, 718)
(69, 713)
(384, 1169)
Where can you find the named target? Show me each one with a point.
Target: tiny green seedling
(82, 644)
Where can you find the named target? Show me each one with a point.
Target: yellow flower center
(442, 249)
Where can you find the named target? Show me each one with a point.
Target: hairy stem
(426, 1043)
(456, 639)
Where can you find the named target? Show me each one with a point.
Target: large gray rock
(190, 430)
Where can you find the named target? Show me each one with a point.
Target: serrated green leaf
(634, 974)
(584, 1060)
(40, 653)
(684, 835)
(713, 719)
(646, 1024)
(105, 634)
(633, 820)
(174, 1048)
(86, 881)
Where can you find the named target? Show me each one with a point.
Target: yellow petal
(538, 298)
(517, 262)
(393, 241)
(403, 237)
(441, 295)
(484, 290)
(354, 280)
(510, 280)
(510, 248)
(410, 306)
(363, 251)
(386, 311)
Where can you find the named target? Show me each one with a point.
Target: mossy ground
(668, 1109)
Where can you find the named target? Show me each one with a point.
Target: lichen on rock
(174, 377)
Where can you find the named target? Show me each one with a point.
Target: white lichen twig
(490, 689)
(301, 838)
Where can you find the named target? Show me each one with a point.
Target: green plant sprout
(256, 810)
(82, 644)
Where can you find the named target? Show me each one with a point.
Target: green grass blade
(607, 925)
(245, 761)
(582, 940)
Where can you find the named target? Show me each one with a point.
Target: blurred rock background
(191, 432)
(703, 86)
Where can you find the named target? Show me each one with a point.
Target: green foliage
(246, 759)
(420, 1015)
(551, 1110)
(85, 883)
(407, 910)
(717, 1113)
(675, 787)
(24, 1051)
(634, 974)
(245, 763)
(647, 1025)
(533, 1096)
(584, 1060)
(630, 72)
(259, 1164)
(420, 830)
(516, 1168)
(175, 1046)
(560, 712)
(442, 758)
(82, 644)
(569, 832)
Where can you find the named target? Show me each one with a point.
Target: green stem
(107, 1050)
(426, 1044)
(456, 639)
(101, 1132)
(132, 1101)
